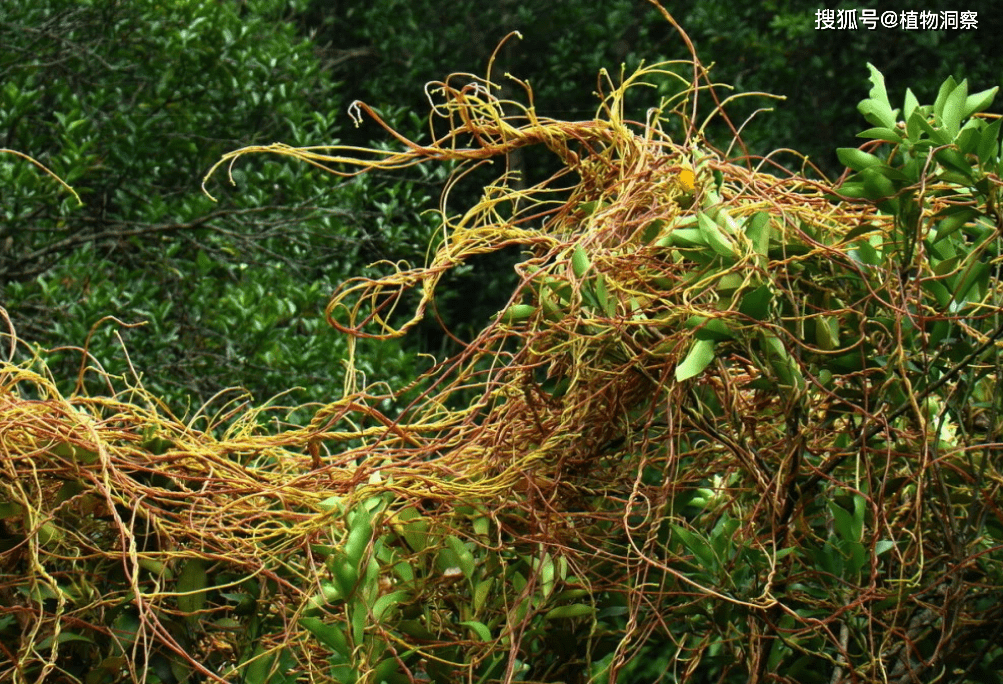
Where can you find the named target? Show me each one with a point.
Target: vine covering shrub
(731, 426)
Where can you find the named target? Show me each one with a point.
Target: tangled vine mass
(731, 413)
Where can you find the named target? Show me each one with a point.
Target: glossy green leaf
(955, 161)
(976, 273)
(979, 102)
(606, 302)
(258, 667)
(385, 603)
(757, 229)
(946, 88)
(883, 546)
(482, 591)
(77, 453)
(345, 574)
(478, 628)
(910, 104)
(580, 263)
(10, 509)
(652, 231)
(517, 312)
(358, 618)
(756, 303)
(989, 145)
(892, 135)
(877, 186)
(332, 636)
(876, 109)
(464, 557)
(716, 329)
(697, 546)
(954, 109)
(699, 357)
(866, 253)
(918, 120)
(191, 585)
(857, 159)
(716, 237)
(940, 293)
(575, 610)
(783, 364)
(359, 536)
(953, 219)
(848, 525)
(863, 229)
(969, 137)
(826, 332)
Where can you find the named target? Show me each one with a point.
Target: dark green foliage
(131, 103)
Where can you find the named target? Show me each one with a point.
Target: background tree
(131, 103)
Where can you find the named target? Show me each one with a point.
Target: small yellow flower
(687, 179)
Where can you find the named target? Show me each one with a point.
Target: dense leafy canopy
(131, 103)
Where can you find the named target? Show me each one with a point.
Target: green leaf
(782, 363)
(883, 546)
(191, 588)
(976, 273)
(698, 358)
(892, 135)
(575, 610)
(953, 219)
(716, 329)
(259, 666)
(946, 88)
(651, 231)
(857, 159)
(384, 603)
(683, 237)
(978, 102)
(826, 332)
(849, 526)
(756, 304)
(517, 312)
(866, 253)
(606, 303)
(939, 292)
(877, 186)
(464, 558)
(863, 229)
(696, 545)
(481, 593)
(876, 109)
(918, 120)
(716, 237)
(910, 104)
(757, 229)
(580, 263)
(479, 628)
(332, 636)
(989, 147)
(954, 108)
(955, 161)
(969, 137)
(77, 453)
(359, 536)
(358, 618)
(546, 566)
(345, 574)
